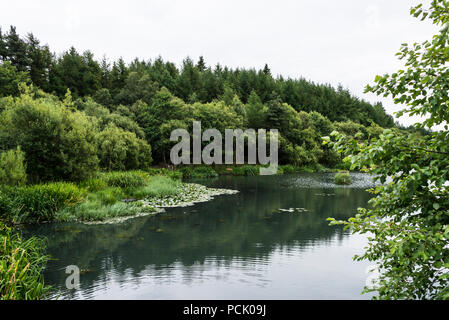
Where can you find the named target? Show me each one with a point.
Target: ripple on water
(326, 181)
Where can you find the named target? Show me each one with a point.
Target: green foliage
(119, 83)
(37, 203)
(106, 203)
(98, 211)
(93, 185)
(245, 170)
(81, 74)
(122, 150)
(342, 178)
(10, 79)
(21, 265)
(256, 111)
(198, 172)
(58, 143)
(408, 220)
(350, 128)
(12, 167)
(126, 180)
(158, 186)
(151, 98)
(175, 175)
(107, 196)
(104, 97)
(287, 169)
(137, 87)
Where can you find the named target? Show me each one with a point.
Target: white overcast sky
(343, 42)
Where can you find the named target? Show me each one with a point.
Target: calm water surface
(233, 247)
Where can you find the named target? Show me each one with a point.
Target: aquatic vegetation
(188, 194)
(21, 265)
(111, 204)
(343, 178)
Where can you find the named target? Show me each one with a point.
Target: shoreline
(103, 199)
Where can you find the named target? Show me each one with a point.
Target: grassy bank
(108, 196)
(117, 194)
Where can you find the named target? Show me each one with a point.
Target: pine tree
(266, 70)
(256, 111)
(40, 62)
(16, 50)
(201, 65)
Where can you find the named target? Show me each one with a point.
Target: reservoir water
(269, 241)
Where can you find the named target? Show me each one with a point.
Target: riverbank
(113, 196)
(110, 196)
(203, 171)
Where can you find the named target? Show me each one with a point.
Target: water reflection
(234, 247)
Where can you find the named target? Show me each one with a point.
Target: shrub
(10, 78)
(122, 150)
(12, 167)
(126, 180)
(21, 265)
(342, 178)
(59, 143)
(39, 203)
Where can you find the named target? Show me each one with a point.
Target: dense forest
(71, 114)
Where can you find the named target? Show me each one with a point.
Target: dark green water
(233, 247)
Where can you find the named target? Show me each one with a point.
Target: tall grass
(21, 265)
(37, 203)
(107, 203)
(125, 179)
(158, 186)
(94, 210)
